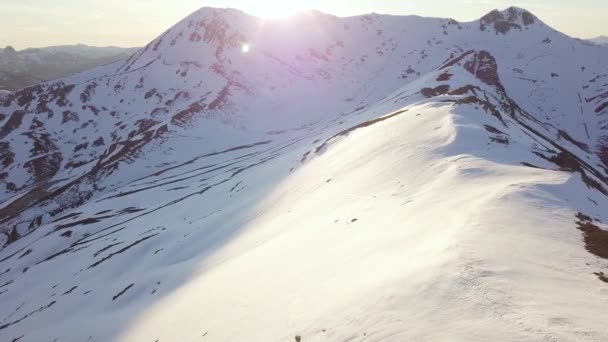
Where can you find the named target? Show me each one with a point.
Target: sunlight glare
(275, 9)
(245, 48)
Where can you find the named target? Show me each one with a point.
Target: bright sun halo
(275, 8)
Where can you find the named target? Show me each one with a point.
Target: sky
(132, 23)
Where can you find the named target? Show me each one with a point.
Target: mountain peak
(506, 20)
(218, 11)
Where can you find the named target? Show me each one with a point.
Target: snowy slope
(374, 178)
(601, 40)
(19, 69)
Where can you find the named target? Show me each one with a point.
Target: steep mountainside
(19, 69)
(377, 177)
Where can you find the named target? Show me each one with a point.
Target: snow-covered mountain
(19, 69)
(601, 40)
(384, 178)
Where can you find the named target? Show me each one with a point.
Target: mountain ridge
(19, 69)
(601, 40)
(215, 36)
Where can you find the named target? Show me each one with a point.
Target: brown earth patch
(567, 136)
(432, 92)
(444, 77)
(596, 238)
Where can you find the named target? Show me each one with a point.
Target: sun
(275, 9)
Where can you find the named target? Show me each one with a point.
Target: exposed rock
(505, 21)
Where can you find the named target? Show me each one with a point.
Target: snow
(327, 198)
(397, 273)
(601, 40)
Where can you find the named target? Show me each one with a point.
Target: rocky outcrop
(504, 21)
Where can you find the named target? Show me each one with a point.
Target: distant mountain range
(19, 69)
(601, 40)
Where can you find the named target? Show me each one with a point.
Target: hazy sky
(34, 23)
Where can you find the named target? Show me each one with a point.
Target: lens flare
(275, 9)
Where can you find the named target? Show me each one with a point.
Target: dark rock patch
(82, 146)
(27, 252)
(505, 22)
(305, 156)
(596, 238)
(500, 140)
(232, 149)
(69, 291)
(183, 117)
(6, 283)
(6, 325)
(493, 129)
(453, 61)
(69, 116)
(444, 77)
(602, 276)
(150, 93)
(222, 98)
(96, 254)
(432, 92)
(486, 104)
(533, 166)
(528, 18)
(44, 167)
(575, 142)
(12, 236)
(483, 65)
(124, 249)
(82, 222)
(122, 292)
(236, 186)
(601, 107)
(569, 162)
(7, 156)
(13, 122)
(603, 153)
(85, 96)
(98, 142)
(68, 216)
